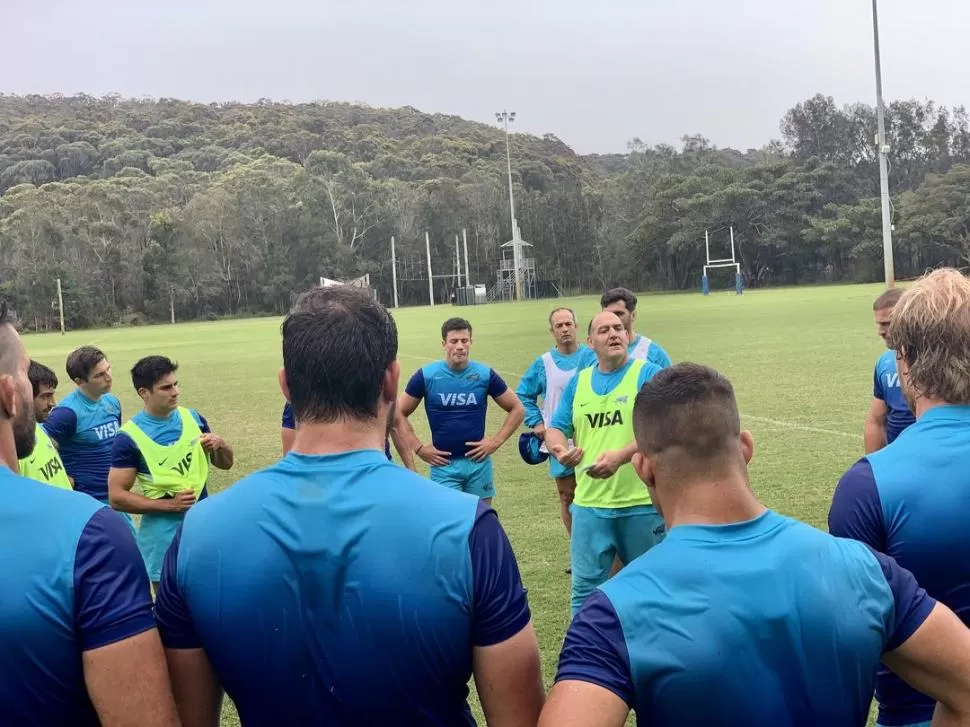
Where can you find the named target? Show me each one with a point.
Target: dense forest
(145, 206)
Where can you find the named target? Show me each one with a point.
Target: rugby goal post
(730, 262)
(363, 282)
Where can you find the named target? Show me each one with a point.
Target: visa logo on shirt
(604, 419)
(456, 399)
(106, 431)
(892, 381)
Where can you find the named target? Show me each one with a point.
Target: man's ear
(284, 387)
(747, 446)
(392, 379)
(643, 467)
(8, 398)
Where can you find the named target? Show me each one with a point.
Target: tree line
(145, 207)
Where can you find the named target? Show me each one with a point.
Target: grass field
(801, 361)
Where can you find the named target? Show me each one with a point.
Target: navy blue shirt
(456, 402)
(73, 580)
(886, 388)
(84, 432)
(761, 623)
(289, 422)
(337, 600)
(909, 500)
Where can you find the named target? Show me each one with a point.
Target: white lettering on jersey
(455, 399)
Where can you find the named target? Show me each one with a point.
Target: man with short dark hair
(743, 616)
(547, 378)
(455, 393)
(623, 303)
(348, 590)
(909, 500)
(167, 450)
(76, 609)
(613, 518)
(44, 463)
(889, 414)
(84, 424)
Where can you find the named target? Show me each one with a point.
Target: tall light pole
(505, 118)
(887, 223)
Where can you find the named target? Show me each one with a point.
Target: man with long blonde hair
(911, 500)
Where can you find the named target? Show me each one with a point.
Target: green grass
(801, 361)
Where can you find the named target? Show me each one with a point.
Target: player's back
(334, 590)
(764, 623)
(41, 680)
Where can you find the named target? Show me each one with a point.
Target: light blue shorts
(461, 473)
(556, 470)
(155, 535)
(600, 535)
(917, 724)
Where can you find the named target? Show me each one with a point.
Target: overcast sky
(596, 73)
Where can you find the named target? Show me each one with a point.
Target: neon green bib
(182, 465)
(602, 424)
(44, 464)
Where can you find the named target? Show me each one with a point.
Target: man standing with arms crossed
(612, 513)
(547, 378)
(306, 594)
(76, 608)
(166, 449)
(623, 303)
(910, 500)
(743, 616)
(889, 413)
(84, 424)
(455, 393)
(44, 463)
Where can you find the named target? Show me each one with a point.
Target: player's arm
(198, 692)
(287, 428)
(514, 414)
(531, 386)
(928, 646)
(61, 425)
(121, 479)
(561, 429)
(219, 450)
(856, 510)
(407, 404)
(116, 628)
(874, 430)
(505, 657)
(401, 443)
(594, 684)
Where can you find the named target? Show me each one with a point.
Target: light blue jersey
(759, 623)
(84, 431)
(885, 387)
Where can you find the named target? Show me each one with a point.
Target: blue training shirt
(289, 422)
(125, 453)
(885, 387)
(603, 384)
(761, 623)
(84, 432)
(532, 385)
(337, 600)
(908, 501)
(455, 402)
(73, 581)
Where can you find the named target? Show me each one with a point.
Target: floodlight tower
(505, 118)
(887, 225)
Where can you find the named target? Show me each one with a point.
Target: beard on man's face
(25, 430)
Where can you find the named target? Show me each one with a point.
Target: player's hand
(540, 431)
(212, 442)
(183, 501)
(432, 455)
(481, 449)
(606, 465)
(567, 456)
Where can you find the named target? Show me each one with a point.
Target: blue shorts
(461, 473)
(155, 535)
(600, 535)
(556, 470)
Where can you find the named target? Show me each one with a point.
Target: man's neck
(343, 435)
(608, 365)
(718, 502)
(632, 334)
(924, 404)
(456, 367)
(88, 395)
(567, 349)
(158, 414)
(8, 447)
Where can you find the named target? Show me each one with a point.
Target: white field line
(764, 420)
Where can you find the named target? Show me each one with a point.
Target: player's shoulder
(55, 507)
(68, 404)
(886, 361)
(429, 370)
